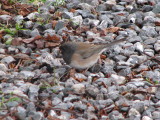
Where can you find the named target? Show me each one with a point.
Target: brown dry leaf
(51, 44)
(17, 41)
(7, 7)
(49, 117)
(57, 15)
(113, 29)
(24, 9)
(73, 10)
(38, 37)
(54, 22)
(5, 2)
(29, 40)
(80, 79)
(103, 32)
(12, 65)
(54, 38)
(2, 12)
(157, 23)
(103, 56)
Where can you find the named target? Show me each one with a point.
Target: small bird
(81, 55)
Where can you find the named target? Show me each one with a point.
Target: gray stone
(48, 26)
(77, 20)
(59, 26)
(56, 101)
(80, 76)
(67, 15)
(116, 115)
(149, 52)
(157, 94)
(31, 107)
(125, 72)
(2, 73)
(118, 79)
(79, 88)
(139, 97)
(7, 60)
(3, 112)
(71, 98)
(108, 69)
(5, 18)
(141, 1)
(113, 95)
(91, 2)
(2, 51)
(92, 22)
(85, 6)
(92, 90)
(33, 92)
(13, 50)
(147, 8)
(3, 67)
(107, 102)
(64, 106)
(117, 8)
(21, 113)
(57, 88)
(146, 118)
(103, 24)
(156, 115)
(134, 113)
(28, 24)
(28, 74)
(157, 47)
(156, 8)
(80, 106)
(18, 19)
(65, 115)
(107, 81)
(49, 59)
(154, 75)
(148, 31)
(139, 47)
(50, 32)
(34, 33)
(12, 104)
(36, 115)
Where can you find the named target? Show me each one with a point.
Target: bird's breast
(79, 63)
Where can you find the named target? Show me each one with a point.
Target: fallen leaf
(157, 23)
(2, 12)
(17, 41)
(54, 38)
(38, 37)
(103, 56)
(72, 10)
(54, 22)
(29, 40)
(113, 29)
(51, 44)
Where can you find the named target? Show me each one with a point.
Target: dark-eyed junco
(81, 55)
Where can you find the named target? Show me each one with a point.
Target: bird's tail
(114, 42)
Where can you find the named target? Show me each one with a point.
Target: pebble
(79, 88)
(119, 81)
(7, 60)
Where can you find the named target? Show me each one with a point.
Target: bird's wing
(87, 50)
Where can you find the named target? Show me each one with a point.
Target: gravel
(37, 84)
